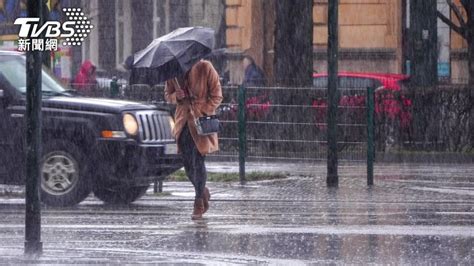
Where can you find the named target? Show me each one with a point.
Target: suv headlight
(130, 124)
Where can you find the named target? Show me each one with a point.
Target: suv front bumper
(134, 164)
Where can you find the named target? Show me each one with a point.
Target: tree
(464, 27)
(423, 43)
(293, 62)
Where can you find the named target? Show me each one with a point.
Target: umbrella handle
(189, 94)
(186, 90)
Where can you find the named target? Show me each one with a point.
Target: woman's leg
(200, 173)
(193, 162)
(195, 170)
(186, 149)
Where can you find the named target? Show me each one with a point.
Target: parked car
(110, 147)
(389, 103)
(393, 115)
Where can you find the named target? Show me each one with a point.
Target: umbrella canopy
(175, 53)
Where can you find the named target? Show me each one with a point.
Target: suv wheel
(120, 196)
(64, 176)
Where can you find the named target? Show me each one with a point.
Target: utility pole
(333, 43)
(44, 17)
(423, 42)
(33, 245)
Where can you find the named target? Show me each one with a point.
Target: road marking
(401, 230)
(455, 213)
(462, 192)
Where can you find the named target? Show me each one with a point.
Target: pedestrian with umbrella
(193, 85)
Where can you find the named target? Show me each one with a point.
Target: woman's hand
(180, 94)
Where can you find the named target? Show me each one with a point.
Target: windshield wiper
(57, 93)
(72, 92)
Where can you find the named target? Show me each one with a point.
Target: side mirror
(3, 98)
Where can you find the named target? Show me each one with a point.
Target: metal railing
(280, 123)
(419, 119)
(290, 124)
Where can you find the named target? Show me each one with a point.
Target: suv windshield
(13, 69)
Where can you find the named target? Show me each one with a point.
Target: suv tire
(64, 174)
(120, 196)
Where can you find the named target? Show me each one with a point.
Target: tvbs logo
(36, 37)
(52, 29)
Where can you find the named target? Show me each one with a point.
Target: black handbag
(207, 125)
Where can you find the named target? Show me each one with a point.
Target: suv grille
(154, 126)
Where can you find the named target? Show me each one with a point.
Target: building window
(123, 30)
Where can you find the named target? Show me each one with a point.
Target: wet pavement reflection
(414, 214)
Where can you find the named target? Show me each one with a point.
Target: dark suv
(113, 148)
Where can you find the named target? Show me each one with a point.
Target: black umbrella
(175, 53)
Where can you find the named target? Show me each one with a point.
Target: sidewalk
(414, 214)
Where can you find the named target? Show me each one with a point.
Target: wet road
(415, 214)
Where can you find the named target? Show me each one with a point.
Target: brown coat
(203, 83)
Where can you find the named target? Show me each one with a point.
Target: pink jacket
(85, 80)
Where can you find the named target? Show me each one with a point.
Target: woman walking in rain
(197, 93)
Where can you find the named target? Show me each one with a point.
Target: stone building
(372, 33)
(371, 37)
